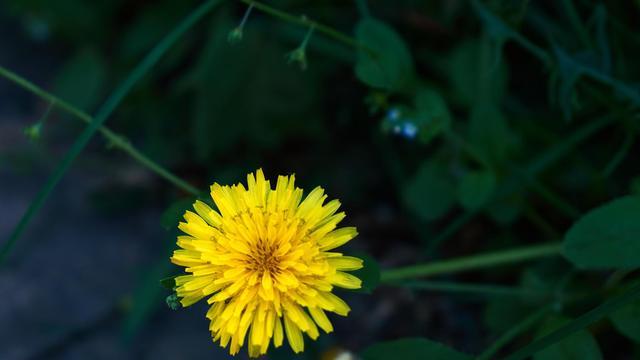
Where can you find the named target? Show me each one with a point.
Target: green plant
(458, 143)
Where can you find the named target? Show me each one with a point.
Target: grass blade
(518, 329)
(118, 141)
(101, 116)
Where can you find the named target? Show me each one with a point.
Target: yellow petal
(257, 331)
(321, 319)
(337, 238)
(338, 305)
(294, 335)
(277, 333)
(207, 214)
(345, 263)
(345, 280)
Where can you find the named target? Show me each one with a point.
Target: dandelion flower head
(266, 263)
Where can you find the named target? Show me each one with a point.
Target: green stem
(466, 288)
(304, 21)
(536, 219)
(490, 259)
(617, 277)
(101, 116)
(576, 22)
(245, 17)
(619, 156)
(115, 140)
(518, 329)
(489, 18)
(562, 148)
(620, 87)
(492, 22)
(546, 159)
(46, 114)
(578, 324)
(307, 37)
(469, 149)
(451, 229)
(559, 203)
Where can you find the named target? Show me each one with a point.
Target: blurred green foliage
(580, 345)
(412, 349)
(471, 119)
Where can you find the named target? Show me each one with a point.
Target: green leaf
(432, 114)
(476, 189)
(173, 214)
(390, 66)
(369, 274)
(564, 82)
(579, 346)
(600, 17)
(241, 101)
(169, 283)
(627, 321)
(489, 133)
(82, 79)
(429, 194)
(412, 349)
(606, 237)
(475, 74)
(570, 328)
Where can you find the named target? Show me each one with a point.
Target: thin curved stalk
(489, 259)
(101, 116)
(578, 324)
(470, 288)
(304, 21)
(115, 140)
(511, 334)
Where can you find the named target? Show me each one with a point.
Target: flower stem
(547, 58)
(619, 156)
(304, 21)
(101, 116)
(576, 23)
(116, 140)
(450, 230)
(246, 16)
(469, 288)
(472, 262)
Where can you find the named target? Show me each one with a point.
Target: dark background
(83, 281)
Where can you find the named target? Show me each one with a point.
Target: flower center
(263, 258)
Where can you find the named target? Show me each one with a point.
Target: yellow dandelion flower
(264, 261)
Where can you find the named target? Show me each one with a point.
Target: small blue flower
(409, 130)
